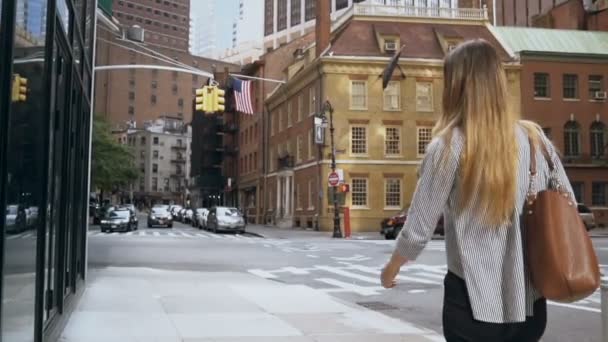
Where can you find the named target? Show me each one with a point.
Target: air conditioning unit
(390, 46)
(600, 95)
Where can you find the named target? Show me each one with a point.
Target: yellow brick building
(380, 136)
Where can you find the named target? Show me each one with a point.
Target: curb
(254, 234)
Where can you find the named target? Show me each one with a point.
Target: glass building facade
(44, 162)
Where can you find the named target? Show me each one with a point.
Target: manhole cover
(377, 306)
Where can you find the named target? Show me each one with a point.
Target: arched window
(572, 139)
(598, 140)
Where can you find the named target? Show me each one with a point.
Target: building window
(311, 144)
(280, 123)
(578, 189)
(572, 139)
(599, 193)
(281, 15)
(392, 193)
(542, 85)
(340, 4)
(174, 75)
(131, 84)
(268, 17)
(299, 148)
(547, 131)
(392, 96)
(289, 115)
(425, 135)
(570, 86)
(298, 197)
(358, 94)
(153, 99)
(154, 184)
(311, 194)
(296, 12)
(142, 155)
(154, 168)
(424, 96)
(309, 8)
(598, 140)
(359, 192)
(154, 85)
(300, 103)
(155, 140)
(312, 100)
(131, 96)
(180, 103)
(141, 185)
(174, 89)
(255, 161)
(392, 141)
(131, 110)
(143, 141)
(358, 140)
(155, 154)
(596, 87)
(154, 73)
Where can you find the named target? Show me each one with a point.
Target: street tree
(112, 163)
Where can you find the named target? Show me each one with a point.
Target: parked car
(390, 227)
(118, 220)
(14, 219)
(200, 216)
(587, 216)
(175, 209)
(225, 219)
(101, 213)
(188, 215)
(181, 213)
(196, 217)
(160, 217)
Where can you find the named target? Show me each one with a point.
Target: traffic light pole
(337, 230)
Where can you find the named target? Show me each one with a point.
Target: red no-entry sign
(333, 179)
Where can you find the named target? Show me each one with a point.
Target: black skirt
(460, 326)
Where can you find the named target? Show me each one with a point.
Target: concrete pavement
(142, 304)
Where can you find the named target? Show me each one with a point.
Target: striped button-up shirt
(490, 259)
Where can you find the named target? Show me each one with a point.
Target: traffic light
(199, 99)
(344, 188)
(219, 100)
(19, 91)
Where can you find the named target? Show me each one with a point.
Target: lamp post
(328, 108)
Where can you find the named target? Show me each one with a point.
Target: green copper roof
(523, 39)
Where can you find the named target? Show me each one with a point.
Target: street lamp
(327, 108)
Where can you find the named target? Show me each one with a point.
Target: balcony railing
(178, 147)
(421, 12)
(179, 160)
(286, 162)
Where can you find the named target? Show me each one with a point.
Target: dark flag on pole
(387, 74)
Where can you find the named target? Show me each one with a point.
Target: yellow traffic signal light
(19, 90)
(199, 99)
(219, 100)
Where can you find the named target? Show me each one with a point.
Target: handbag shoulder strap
(545, 152)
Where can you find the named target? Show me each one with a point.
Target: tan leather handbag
(562, 262)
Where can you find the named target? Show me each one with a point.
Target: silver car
(225, 219)
(587, 216)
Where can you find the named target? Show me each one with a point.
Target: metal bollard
(604, 299)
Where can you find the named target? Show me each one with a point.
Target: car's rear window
(228, 212)
(583, 209)
(119, 213)
(159, 211)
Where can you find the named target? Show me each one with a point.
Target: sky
(226, 11)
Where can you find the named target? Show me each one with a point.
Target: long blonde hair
(475, 100)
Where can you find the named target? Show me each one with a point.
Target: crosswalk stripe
(156, 234)
(129, 233)
(348, 274)
(202, 235)
(400, 277)
(186, 234)
(27, 235)
(364, 291)
(142, 234)
(429, 275)
(171, 234)
(11, 237)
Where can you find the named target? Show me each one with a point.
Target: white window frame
(280, 112)
(273, 123)
(311, 196)
(300, 106)
(387, 98)
(298, 197)
(419, 129)
(312, 100)
(400, 152)
(299, 148)
(289, 115)
(311, 144)
(365, 95)
(431, 105)
(359, 206)
(386, 193)
(350, 140)
(271, 159)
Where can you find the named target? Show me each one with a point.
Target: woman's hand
(391, 270)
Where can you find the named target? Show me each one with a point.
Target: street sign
(319, 135)
(333, 179)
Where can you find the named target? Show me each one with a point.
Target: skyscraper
(203, 29)
(166, 23)
(31, 18)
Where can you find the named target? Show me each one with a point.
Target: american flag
(242, 96)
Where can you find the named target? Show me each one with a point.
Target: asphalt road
(347, 269)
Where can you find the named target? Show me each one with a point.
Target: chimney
(323, 25)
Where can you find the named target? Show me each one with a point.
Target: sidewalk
(599, 232)
(271, 232)
(134, 304)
